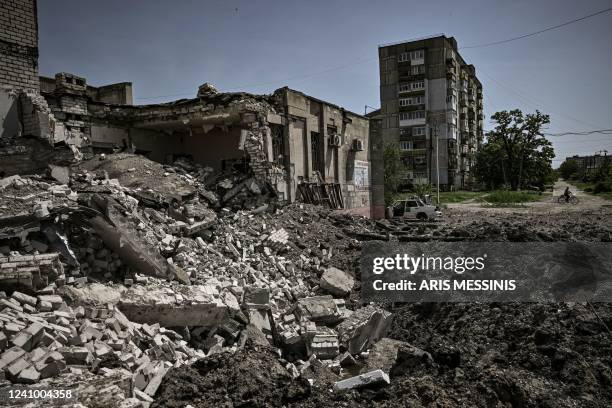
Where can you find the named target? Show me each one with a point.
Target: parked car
(413, 208)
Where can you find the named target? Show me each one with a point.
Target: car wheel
(421, 216)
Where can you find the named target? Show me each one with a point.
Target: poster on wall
(362, 176)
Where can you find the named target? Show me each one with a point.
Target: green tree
(568, 169)
(516, 151)
(391, 156)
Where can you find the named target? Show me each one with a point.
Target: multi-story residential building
(589, 164)
(431, 106)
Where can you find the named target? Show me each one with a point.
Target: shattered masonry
(287, 140)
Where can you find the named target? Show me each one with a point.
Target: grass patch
(450, 197)
(506, 197)
(592, 188)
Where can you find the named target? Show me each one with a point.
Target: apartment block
(431, 106)
(590, 164)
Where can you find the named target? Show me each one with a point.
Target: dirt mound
(252, 377)
(523, 355)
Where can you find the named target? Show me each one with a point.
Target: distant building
(588, 164)
(427, 93)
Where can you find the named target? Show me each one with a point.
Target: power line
(539, 31)
(530, 102)
(591, 132)
(308, 75)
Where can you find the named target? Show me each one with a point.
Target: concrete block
(363, 328)
(55, 300)
(28, 376)
(22, 340)
(155, 382)
(320, 309)
(10, 355)
(17, 367)
(373, 378)
(24, 299)
(195, 307)
(336, 281)
(76, 355)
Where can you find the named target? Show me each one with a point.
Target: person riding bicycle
(567, 194)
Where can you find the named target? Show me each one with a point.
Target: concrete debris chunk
(320, 309)
(363, 328)
(370, 379)
(336, 281)
(194, 306)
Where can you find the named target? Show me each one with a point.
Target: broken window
(278, 144)
(316, 151)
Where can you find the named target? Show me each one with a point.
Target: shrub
(602, 187)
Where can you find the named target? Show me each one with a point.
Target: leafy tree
(391, 156)
(421, 189)
(568, 169)
(516, 153)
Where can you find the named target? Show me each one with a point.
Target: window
(412, 115)
(418, 131)
(278, 144)
(404, 145)
(418, 54)
(417, 115)
(403, 57)
(415, 100)
(412, 203)
(412, 86)
(450, 98)
(315, 151)
(417, 69)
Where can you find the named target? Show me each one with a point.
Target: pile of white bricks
(41, 337)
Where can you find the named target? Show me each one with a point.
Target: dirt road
(548, 204)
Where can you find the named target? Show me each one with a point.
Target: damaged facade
(305, 148)
(299, 147)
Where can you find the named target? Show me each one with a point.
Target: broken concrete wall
(312, 121)
(10, 126)
(106, 137)
(18, 45)
(115, 94)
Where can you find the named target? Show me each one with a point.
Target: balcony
(411, 122)
(415, 152)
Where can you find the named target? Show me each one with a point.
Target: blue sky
(328, 49)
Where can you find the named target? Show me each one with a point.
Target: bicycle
(572, 200)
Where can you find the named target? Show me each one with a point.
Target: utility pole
(435, 123)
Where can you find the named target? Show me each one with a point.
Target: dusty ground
(485, 355)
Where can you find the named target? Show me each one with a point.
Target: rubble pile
(42, 337)
(169, 283)
(116, 270)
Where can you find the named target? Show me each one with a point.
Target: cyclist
(567, 194)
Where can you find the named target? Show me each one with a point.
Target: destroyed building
(300, 147)
(307, 149)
